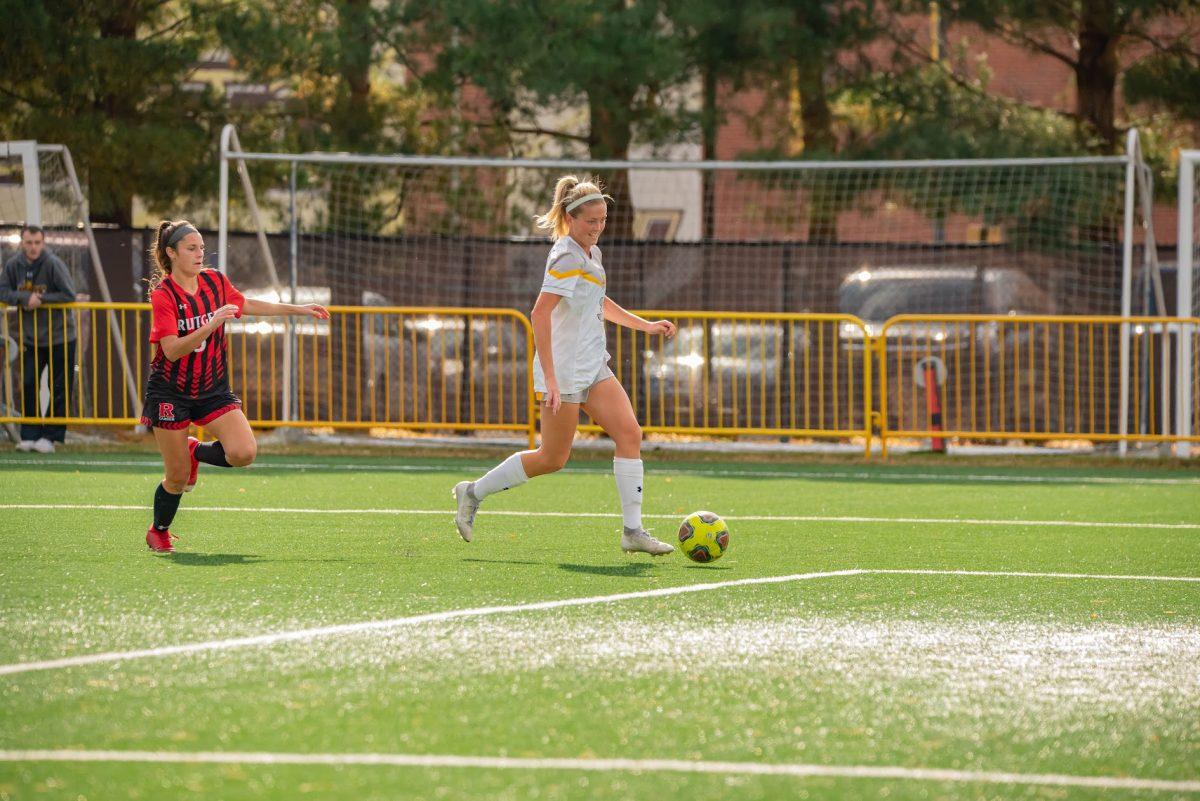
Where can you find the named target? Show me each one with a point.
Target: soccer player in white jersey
(570, 368)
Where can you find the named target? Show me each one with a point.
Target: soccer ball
(703, 536)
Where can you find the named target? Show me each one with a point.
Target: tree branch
(968, 86)
(17, 96)
(533, 130)
(1179, 46)
(1011, 34)
(174, 26)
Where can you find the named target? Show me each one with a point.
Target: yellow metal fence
(787, 375)
(93, 355)
(448, 369)
(1037, 377)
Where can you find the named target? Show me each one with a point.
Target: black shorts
(172, 411)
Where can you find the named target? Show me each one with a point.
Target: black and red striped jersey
(204, 371)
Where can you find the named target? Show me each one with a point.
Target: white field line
(1024, 574)
(960, 521)
(662, 470)
(878, 772)
(433, 617)
(377, 625)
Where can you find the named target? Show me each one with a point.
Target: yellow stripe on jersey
(584, 274)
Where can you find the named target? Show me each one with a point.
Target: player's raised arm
(263, 308)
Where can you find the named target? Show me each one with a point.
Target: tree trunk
(357, 41)
(609, 138)
(1096, 69)
(351, 130)
(819, 142)
(112, 201)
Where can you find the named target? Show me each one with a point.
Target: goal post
(40, 186)
(1188, 297)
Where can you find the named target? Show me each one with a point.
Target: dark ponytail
(160, 262)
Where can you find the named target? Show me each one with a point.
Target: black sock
(212, 453)
(166, 504)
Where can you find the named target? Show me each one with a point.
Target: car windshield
(876, 298)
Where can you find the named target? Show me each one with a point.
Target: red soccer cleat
(192, 443)
(160, 541)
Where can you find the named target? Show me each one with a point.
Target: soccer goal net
(873, 239)
(40, 187)
(876, 240)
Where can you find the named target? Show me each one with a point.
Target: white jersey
(577, 323)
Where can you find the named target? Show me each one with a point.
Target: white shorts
(582, 396)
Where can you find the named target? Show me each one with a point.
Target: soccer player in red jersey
(189, 375)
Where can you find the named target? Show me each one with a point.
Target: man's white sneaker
(639, 540)
(43, 445)
(464, 519)
(25, 445)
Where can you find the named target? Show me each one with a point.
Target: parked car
(383, 367)
(1000, 375)
(425, 368)
(782, 374)
(746, 373)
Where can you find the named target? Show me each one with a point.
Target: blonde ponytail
(567, 191)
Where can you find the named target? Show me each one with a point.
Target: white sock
(506, 475)
(629, 474)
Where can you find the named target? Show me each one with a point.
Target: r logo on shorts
(166, 412)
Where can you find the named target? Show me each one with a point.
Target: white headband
(585, 199)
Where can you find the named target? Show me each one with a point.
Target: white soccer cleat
(464, 519)
(640, 541)
(25, 445)
(43, 445)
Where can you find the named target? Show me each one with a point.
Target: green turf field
(342, 642)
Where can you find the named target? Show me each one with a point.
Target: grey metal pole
(293, 408)
(223, 199)
(1126, 290)
(1184, 289)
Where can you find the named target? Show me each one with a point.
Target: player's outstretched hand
(315, 310)
(552, 400)
(226, 312)
(664, 327)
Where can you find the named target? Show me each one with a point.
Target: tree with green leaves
(109, 81)
(325, 57)
(719, 52)
(1168, 79)
(335, 67)
(800, 44)
(614, 58)
(1092, 37)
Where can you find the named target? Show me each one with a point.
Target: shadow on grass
(194, 559)
(212, 559)
(631, 569)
